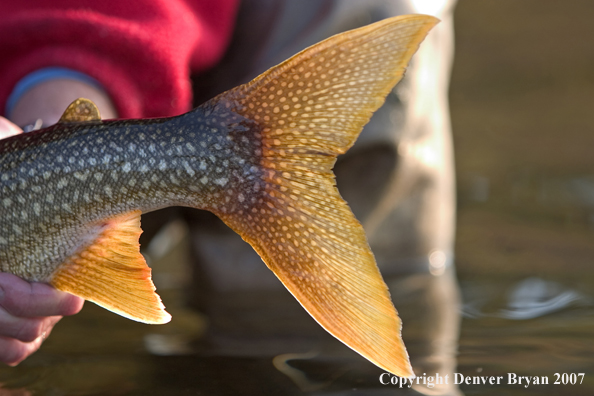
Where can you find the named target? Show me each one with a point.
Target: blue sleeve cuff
(41, 75)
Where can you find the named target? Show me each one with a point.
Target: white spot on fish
(189, 169)
(127, 167)
(82, 176)
(221, 181)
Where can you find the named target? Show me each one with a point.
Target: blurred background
(521, 95)
(521, 102)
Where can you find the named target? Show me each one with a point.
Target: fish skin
(62, 179)
(259, 156)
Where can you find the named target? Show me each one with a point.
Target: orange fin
(80, 110)
(309, 109)
(112, 273)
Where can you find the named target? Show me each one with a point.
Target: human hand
(28, 312)
(7, 128)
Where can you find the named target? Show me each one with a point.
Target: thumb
(7, 128)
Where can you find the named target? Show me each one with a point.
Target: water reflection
(267, 324)
(535, 297)
(528, 299)
(247, 343)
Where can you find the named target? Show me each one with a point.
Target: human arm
(142, 56)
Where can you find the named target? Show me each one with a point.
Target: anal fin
(112, 273)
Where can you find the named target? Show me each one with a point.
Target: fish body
(61, 183)
(259, 156)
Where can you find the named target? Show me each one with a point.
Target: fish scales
(259, 156)
(59, 181)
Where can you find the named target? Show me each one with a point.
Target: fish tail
(306, 111)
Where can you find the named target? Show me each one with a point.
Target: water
(527, 326)
(521, 93)
(521, 97)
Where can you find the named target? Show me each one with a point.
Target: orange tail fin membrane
(309, 109)
(112, 273)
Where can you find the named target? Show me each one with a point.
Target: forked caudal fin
(309, 109)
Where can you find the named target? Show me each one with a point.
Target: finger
(25, 329)
(24, 299)
(7, 128)
(12, 351)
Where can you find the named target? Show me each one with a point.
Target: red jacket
(142, 51)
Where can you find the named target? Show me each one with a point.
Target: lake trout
(259, 156)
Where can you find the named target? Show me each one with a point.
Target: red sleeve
(142, 52)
